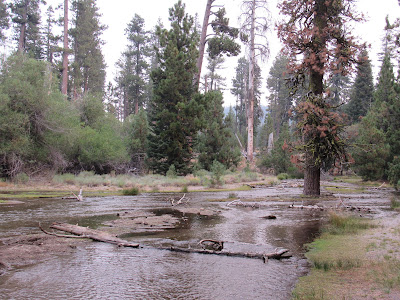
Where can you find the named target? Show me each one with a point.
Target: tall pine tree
(362, 93)
(88, 68)
(174, 109)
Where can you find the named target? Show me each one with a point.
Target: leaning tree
(317, 36)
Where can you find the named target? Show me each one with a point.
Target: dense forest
(164, 111)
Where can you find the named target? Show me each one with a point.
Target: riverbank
(360, 264)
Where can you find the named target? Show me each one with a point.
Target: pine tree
(216, 141)
(280, 99)
(132, 78)
(174, 110)
(88, 68)
(26, 19)
(4, 19)
(51, 39)
(255, 24)
(240, 90)
(318, 30)
(362, 92)
(214, 81)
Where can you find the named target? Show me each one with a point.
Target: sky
(116, 14)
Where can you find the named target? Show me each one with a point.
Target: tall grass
(345, 224)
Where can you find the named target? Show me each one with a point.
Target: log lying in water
(264, 256)
(93, 234)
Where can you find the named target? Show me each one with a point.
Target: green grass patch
(131, 191)
(346, 224)
(394, 203)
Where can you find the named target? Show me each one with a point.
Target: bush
(217, 170)
(394, 172)
(283, 176)
(21, 178)
(131, 192)
(171, 173)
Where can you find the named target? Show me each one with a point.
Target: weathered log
(264, 256)
(93, 234)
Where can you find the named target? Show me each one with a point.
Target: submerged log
(279, 254)
(93, 234)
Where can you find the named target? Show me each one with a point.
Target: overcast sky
(118, 13)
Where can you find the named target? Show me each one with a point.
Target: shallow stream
(104, 271)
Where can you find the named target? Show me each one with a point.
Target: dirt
(31, 249)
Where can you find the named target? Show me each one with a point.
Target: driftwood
(96, 235)
(279, 254)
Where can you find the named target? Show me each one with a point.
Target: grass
(337, 257)
(394, 203)
(201, 178)
(131, 191)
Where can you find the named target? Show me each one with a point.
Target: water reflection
(102, 271)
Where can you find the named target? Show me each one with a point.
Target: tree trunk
(250, 111)
(64, 85)
(22, 33)
(202, 44)
(312, 177)
(95, 235)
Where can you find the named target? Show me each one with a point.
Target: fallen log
(264, 256)
(93, 234)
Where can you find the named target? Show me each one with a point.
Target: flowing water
(104, 271)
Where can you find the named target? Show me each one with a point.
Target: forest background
(116, 118)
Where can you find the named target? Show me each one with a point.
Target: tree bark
(250, 111)
(202, 44)
(64, 85)
(22, 33)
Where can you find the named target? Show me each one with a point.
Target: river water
(104, 271)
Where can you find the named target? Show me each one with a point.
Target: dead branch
(95, 235)
(61, 235)
(278, 254)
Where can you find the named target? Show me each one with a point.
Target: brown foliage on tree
(318, 38)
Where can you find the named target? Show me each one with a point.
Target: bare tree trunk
(250, 111)
(203, 37)
(64, 86)
(22, 33)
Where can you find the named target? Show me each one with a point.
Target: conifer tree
(4, 19)
(26, 19)
(317, 29)
(88, 68)
(280, 99)
(362, 93)
(216, 141)
(174, 111)
(133, 75)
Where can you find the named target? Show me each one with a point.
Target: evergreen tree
(51, 39)
(4, 19)
(361, 96)
(280, 99)
(240, 90)
(316, 37)
(339, 88)
(217, 142)
(26, 19)
(175, 108)
(132, 78)
(88, 68)
(214, 81)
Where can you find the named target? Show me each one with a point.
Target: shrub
(131, 192)
(217, 170)
(283, 176)
(21, 178)
(171, 173)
